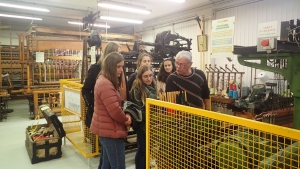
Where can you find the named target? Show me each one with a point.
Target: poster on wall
(40, 57)
(222, 37)
(93, 54)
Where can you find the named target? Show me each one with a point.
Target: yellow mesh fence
(185, 137)
(74, 122)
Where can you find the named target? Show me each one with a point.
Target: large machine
(91, 43)
(166, 45)
(266, 104)
(290, 54)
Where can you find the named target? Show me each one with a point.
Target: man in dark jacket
(192, 81)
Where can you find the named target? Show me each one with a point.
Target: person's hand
(128, 127)
(128, 122)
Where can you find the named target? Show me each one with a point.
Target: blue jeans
(113, 153)
(101, 155)
(140, 156)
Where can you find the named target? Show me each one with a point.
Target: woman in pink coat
(109, 121)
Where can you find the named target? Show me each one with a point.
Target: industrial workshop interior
(229, 100)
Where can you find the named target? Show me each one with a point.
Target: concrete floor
(13, 153)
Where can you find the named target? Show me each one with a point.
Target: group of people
(106, 87)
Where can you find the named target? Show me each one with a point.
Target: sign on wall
(72, 100)
(222, 37)
(40, 57)
(268, 29)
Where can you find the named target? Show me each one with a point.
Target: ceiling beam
(52, 31)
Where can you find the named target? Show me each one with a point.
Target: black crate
(45, 149)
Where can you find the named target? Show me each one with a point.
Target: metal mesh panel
(74, 124)
(185, 137)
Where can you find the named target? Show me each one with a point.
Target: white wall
(5, 37)
(246, 24)
(184, 24)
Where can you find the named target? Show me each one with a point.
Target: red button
(264, 42)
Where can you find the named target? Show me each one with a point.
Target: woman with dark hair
(166, 68)
(143, 87)
(109, 121)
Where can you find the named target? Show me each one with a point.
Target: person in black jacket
(143, 59)
(89, 83)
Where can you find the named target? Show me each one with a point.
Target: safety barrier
(73, 118)
(185, 137)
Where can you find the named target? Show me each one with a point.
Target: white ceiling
(61, 11)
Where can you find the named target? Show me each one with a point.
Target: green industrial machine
(258, 92)
(290, 52)
(243, 150)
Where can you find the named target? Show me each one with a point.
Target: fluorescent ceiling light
(120, 19)
(75, 23)
(21, 17)
(24, 7)
(179, 1)
(96, 25)
(123, 7)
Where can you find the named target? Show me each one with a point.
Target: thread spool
(230, 86)
(212, 90)
(234, 87)
(288, 93)
(230, 93)
(60, 96)
(235, 94)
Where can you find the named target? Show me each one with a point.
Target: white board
(72, 100)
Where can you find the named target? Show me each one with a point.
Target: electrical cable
(33, 129)
(276, 55)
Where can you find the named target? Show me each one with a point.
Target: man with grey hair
(190, 80)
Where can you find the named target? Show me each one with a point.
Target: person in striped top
(189, 80)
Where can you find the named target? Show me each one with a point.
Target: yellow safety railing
(73, 112)
(184, 137)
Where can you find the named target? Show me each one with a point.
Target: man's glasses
(181, 64)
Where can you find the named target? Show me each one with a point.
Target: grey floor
(13, 153)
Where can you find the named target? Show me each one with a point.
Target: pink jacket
(108, 118)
